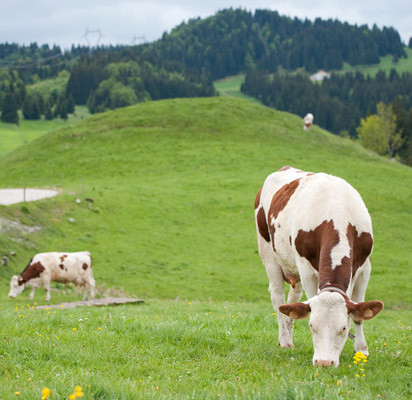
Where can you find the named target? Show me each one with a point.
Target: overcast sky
(128, 21)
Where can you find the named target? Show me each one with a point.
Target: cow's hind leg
(92, 285)
(46, 284)
(31, 297)
(276, 290)
(294, 296)
(358, 296)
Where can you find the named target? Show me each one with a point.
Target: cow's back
(295, 201)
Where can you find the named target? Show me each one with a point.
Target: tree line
(338, 103)
(14, 97)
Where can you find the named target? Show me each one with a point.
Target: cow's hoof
(286, 345)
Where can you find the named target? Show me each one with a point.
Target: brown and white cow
(44, 268)
(314, 232)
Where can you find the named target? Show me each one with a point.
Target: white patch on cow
(329, 325)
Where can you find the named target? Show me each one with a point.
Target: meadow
(173, 186)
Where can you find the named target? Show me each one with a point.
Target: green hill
(173, 184)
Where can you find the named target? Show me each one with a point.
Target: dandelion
(74, 329)
(357, 375)
(46, 393)
(157, 387)
(72, 396)
(16, 393)
(99, 329)
(21, 316)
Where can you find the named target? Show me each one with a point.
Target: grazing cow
(307, 121)
(315, 233)
(57, 267)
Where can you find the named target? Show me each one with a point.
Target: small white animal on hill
(307, 121)
(45, 268)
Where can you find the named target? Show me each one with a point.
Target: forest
(268, 47)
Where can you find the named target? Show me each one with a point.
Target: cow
(307, 121)
(44, 268)
(315, 233)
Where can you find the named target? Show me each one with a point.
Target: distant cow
(315, 233)
(55, 267)
(307, 121)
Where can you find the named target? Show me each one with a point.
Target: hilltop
(173, 185)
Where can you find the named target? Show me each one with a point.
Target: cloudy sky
(129, 21)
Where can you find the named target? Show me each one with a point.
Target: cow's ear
(295, 310)
(364, 310)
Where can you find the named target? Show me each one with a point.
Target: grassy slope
(230, 87)
(386, 64)
(13, 136)
(173, 184)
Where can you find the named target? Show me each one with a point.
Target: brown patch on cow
(257, 199)
(262, 225)
(290, 240)
(84, 266)
(63, 257)
(32, 271)
(292, 279)
(279, 201)
(285, 168)
(361, 247)
(61, 266)
(316, 246)
(281, 198)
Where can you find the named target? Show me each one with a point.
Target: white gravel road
(13, 196)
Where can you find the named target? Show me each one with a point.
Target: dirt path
(13, 196)
(90, 303)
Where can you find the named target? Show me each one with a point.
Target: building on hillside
(320, 75)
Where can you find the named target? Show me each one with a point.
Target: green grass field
(173, 184)
(386, 64)
(230, 87)
(13, 136)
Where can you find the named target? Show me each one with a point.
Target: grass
(386, 64)
(46, 86)
(230, 87)
(13, 136)
(190, 349)
(173, 184)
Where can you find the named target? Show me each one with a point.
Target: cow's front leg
(358, 295)
(31, 297)
(360, 341)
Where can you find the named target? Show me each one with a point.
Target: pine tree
(9, 113)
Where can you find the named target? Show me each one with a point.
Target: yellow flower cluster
(361, 359)
(78, 392)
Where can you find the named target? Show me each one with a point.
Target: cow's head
(329, 321)
(16, 286)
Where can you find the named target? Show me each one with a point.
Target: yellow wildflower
(79, 391)
(74, 329)
(46, 393)
(72, 396)
(16, 393)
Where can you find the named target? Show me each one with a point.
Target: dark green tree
(9, 109)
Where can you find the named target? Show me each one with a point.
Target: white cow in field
(315, 232)
(55, 267)
(307, 121)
